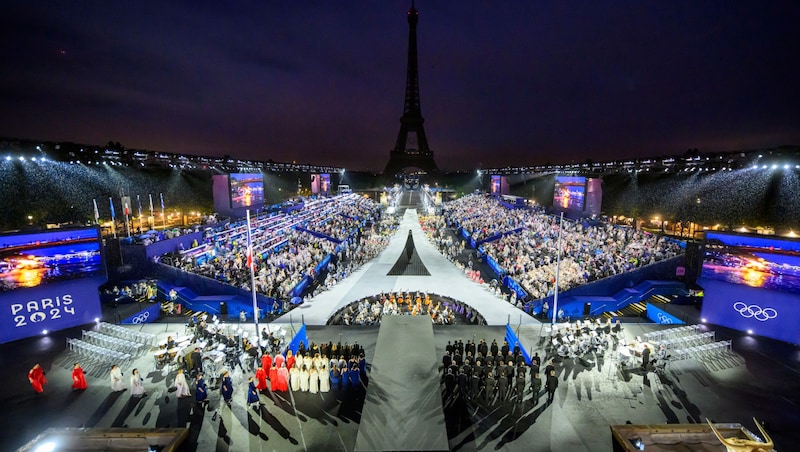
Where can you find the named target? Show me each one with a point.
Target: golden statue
(744, 445)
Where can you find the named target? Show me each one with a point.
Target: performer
(645, 357)
(336, 378)
(37, 378)
(181, 385)
(313, 380)
(283, 378)
(273, 376)
(197, 360)
(78, 377)
(266, 361)
(201, 390)
(137, 384)
(354, 377)
(294, 379)
(536, 387)
(226, 388)
(551, 386)
(252, 393)
(324, 379)
(116, 379)
(290, 360)
(304, 379)
(261, 379)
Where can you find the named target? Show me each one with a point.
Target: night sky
(502, 83)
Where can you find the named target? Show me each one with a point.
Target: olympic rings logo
(754, 311)
(663, 318)
(141, 318)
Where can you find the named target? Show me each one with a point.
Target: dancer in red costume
(78, 377)
(37, 378)
(261, 379)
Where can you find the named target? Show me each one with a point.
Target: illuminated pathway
(445, 279)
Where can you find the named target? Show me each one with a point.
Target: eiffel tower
(411, 148)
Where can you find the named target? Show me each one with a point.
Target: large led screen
(495, 187)
(570, 192)
(752, 283)
(49, 281)
(247, 190)
(325, 184)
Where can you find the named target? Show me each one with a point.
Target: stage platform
(403, 407)
(445, 279)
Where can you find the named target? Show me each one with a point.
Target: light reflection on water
(752, 277)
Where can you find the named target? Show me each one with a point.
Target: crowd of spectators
(373, 241)
(482, 216)
(283, 254)
(441, 310)
(435, 229)
(588, 252)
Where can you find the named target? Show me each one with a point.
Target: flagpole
(126, 208)
(558, 269)
(139, 201)
(163, 215)
(251, 264)
(152, 215)
(96, 212)
(113, 217)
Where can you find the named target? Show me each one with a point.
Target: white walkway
(446, 279)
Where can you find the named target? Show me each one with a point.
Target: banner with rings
(145, 316)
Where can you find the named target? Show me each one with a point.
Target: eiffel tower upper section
(411, 148)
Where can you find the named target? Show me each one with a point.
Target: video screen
(495, 185)
(325, 184)
(49, 281)
(246, 190)
(315, 184)
(569, 192)
(764, 262)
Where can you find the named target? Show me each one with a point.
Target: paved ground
(760, 379)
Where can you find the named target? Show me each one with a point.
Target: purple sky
(502, 83)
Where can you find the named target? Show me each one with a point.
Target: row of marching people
(307, 374)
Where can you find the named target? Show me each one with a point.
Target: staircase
(638, 309)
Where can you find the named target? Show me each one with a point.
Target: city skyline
(512, 84)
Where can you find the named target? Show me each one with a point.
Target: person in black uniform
(645, 357)
(197, 360)
(449, 383)
(551, 386)
(494, 349)
(520, 386)
(491, 386)
(502, 385)
(536, 386)
(446, 361)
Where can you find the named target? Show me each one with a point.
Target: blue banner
(495, 266)
(145, 316)
(317, 234)
(513, 285)
(661, 316)
(298, 290)
(300, 336)
(323, 265)
(513, 340)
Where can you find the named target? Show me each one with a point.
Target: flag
(162, 200)
(111, 203)
(96, 212)
(249, 244)
(151, 204)
(139, 201)
(126, 205)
